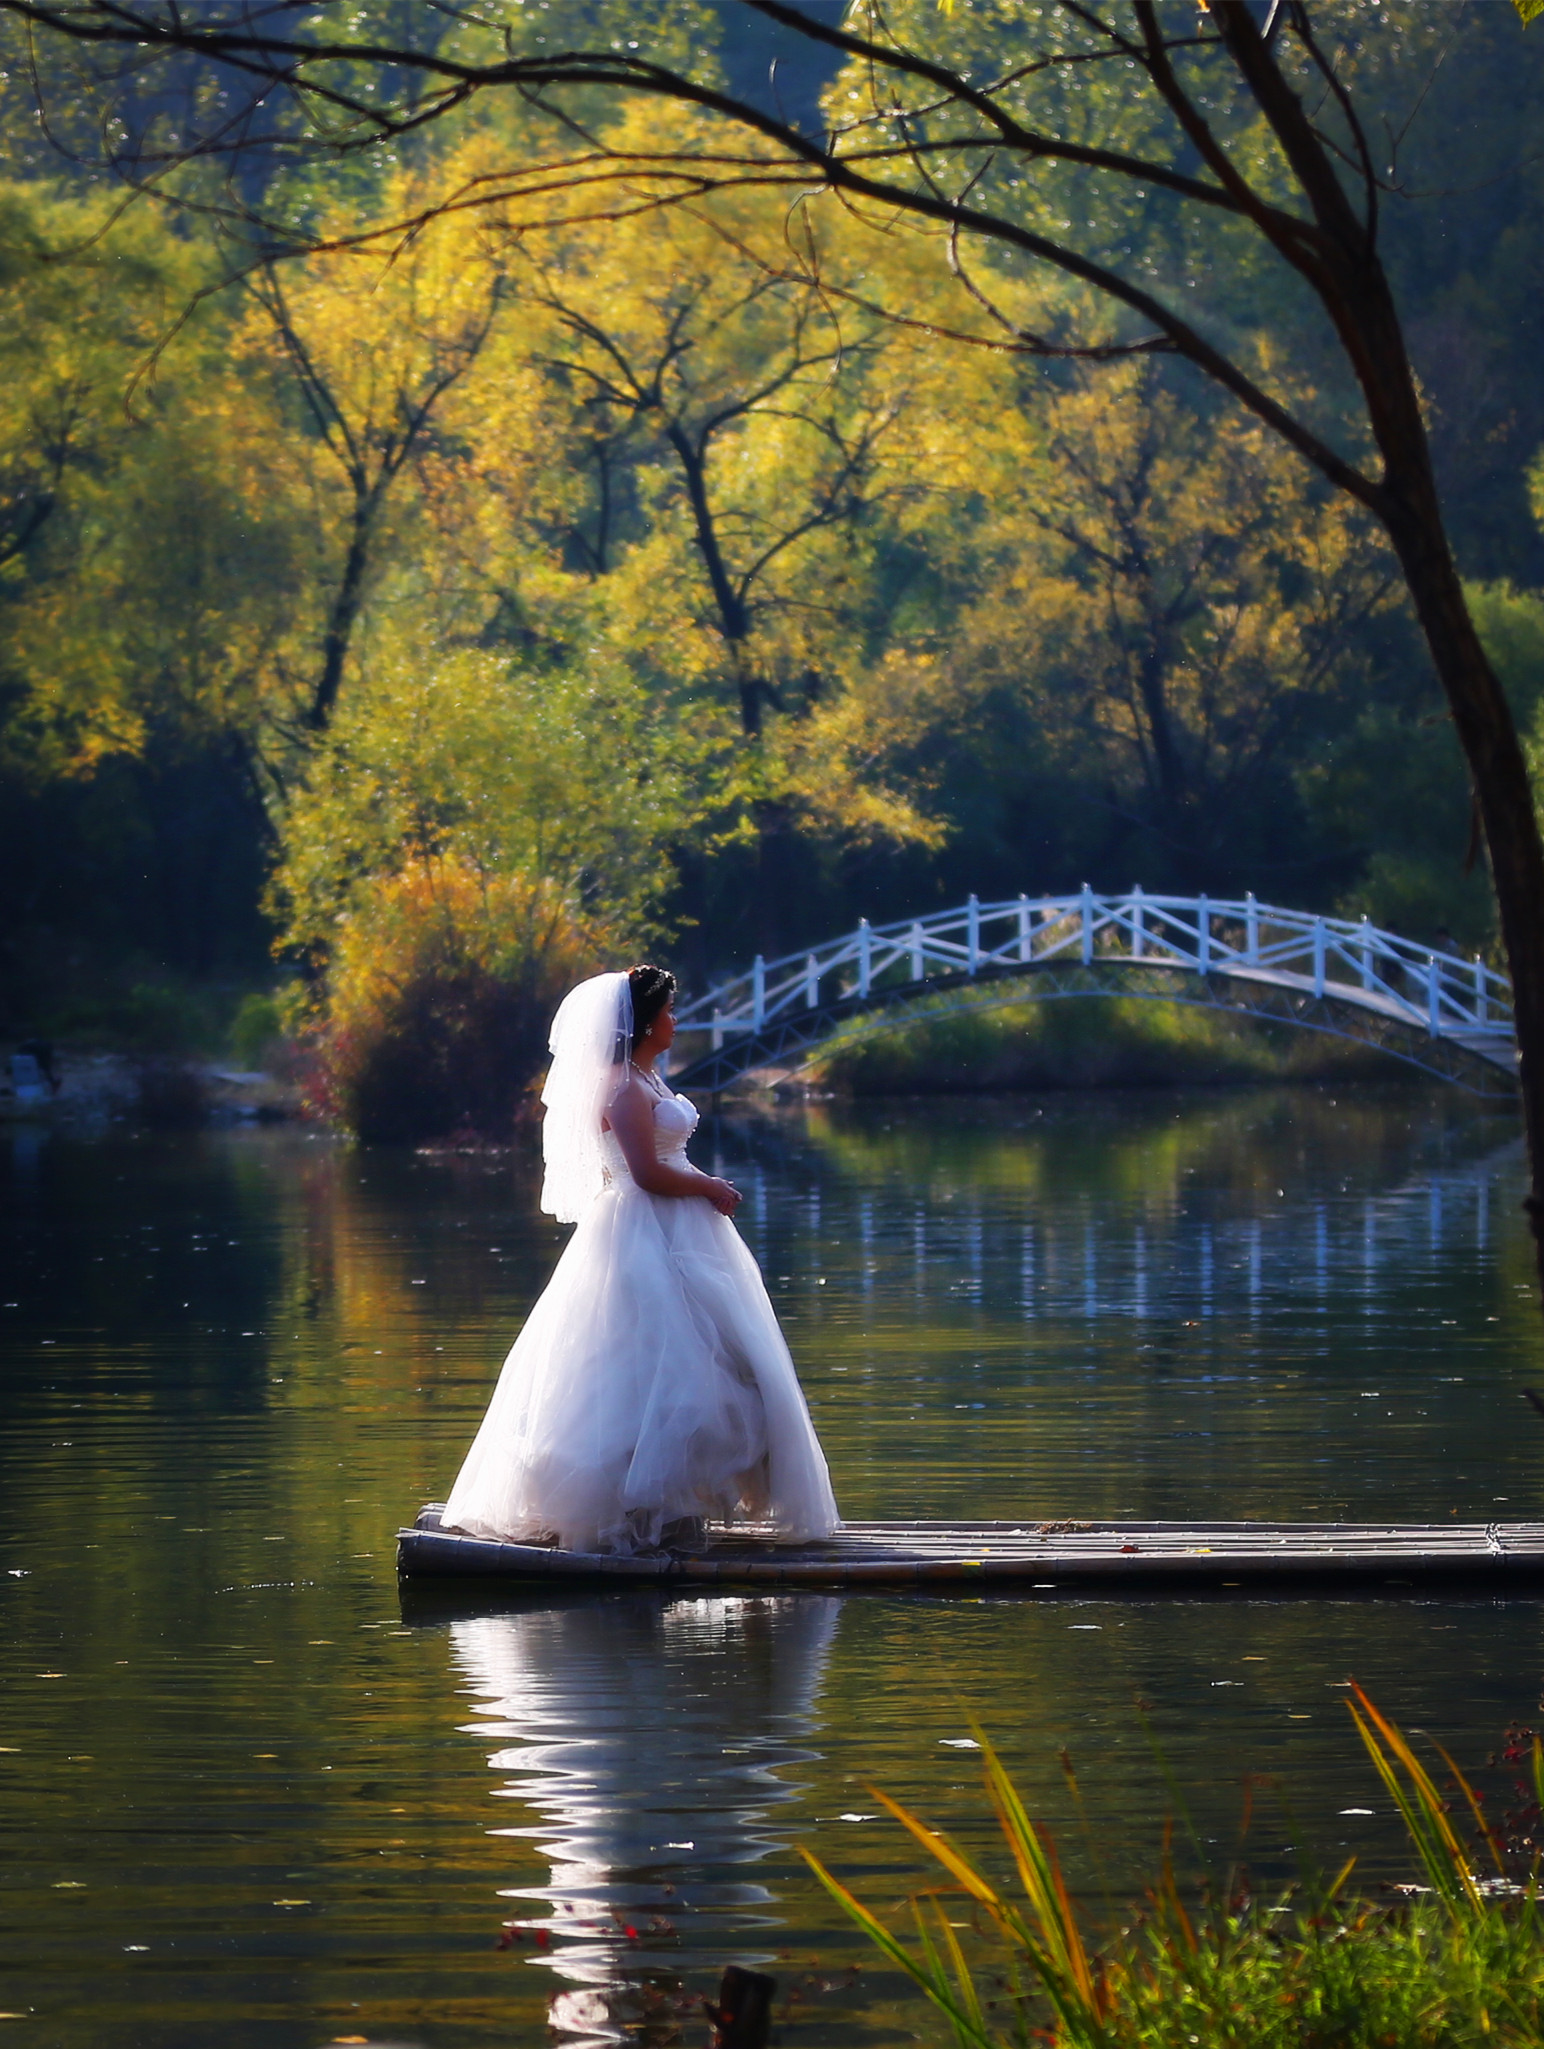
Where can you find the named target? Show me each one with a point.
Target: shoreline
(177, 1092)
(169, 1091)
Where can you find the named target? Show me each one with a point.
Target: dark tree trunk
(734, 622)
(733, 618)
(341, 617)
(1152, 672)
(1487, 733)
(1347, 273)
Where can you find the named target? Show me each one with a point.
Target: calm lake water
(250, 1795)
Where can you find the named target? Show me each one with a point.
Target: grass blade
(937, 1845)
(1421, 1807)
(1041, 1877)
(927, 1977)
(1476, 1809)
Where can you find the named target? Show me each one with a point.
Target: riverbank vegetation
(424, 621)
(961, 1046)
(1453, 1960)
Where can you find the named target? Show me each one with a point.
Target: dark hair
(651, 989)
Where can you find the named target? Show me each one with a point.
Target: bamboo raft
(1040, 1556)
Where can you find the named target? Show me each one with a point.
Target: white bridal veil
(591, 1039)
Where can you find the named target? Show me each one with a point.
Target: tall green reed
(1456, 1961)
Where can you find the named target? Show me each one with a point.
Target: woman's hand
(723, 1195)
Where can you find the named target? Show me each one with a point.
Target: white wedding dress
(651, 1383)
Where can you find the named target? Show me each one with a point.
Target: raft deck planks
(1048, 1554)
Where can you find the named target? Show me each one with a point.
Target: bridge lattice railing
(1350, 959)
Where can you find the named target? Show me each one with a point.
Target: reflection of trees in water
(384, 1255)
(650, 1738)
(1080, 1207)
(388, 1243)
(1124, 1144)
(154, 1254)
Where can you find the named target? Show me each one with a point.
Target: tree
(373, 349)
(1036, 133)
(1175, 607)
(81, 310)
(675, 340)
(460, 850)
(149, 573)
(737, 460)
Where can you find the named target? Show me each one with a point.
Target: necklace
(654, 1082)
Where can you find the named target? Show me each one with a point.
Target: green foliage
(1105, 1042)
(438, 1000)
(256, 1028)
(1171, 606)
(1460, 1964)
(470, 839)
(981, 624)
(571, 781)
(1511, 624)
(145, 554)
(144, 1014)
(1395, 788)
(145, 569)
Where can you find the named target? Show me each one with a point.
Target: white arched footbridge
(1438, 1011)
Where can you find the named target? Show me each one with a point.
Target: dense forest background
(418, 621)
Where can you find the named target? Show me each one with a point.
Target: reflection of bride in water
(648, 1738)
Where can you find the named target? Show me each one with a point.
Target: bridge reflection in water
(1109, 1262)
(654, 1739)
(1345, 977)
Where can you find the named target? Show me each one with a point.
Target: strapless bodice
(675, 1119)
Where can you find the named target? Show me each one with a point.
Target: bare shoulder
(633, 1104)
(634, 1089)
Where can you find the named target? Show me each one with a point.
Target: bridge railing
(1350, 959)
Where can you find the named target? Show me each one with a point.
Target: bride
(651, 1386)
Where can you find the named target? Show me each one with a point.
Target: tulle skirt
(651, 1383)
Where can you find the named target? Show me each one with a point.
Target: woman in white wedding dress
(651, 1388)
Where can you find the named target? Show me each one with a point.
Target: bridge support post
(1479, 990)
(918, 962)
(1251, 931)
(1366, 952)
(1203, 936)
(1138, 935)
(1318, 957)
(811, 983)
(865, 956)
(718, 1029)
(973, 932)
(758, 992)
(1088, 925)
(1434, 997)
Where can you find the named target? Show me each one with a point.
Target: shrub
(470, 839)
(1104, 1042)
(255, 1029)
(439, 995)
